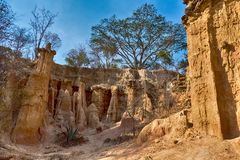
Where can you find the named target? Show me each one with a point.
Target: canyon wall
(45, 99)
(130, 86)
(214, 68)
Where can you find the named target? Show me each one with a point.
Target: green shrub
(70, 133)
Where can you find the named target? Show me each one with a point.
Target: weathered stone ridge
(214, 52)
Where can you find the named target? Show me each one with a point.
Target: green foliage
(104, 60)
(140, 39)
(70, 134)
(104, 53)
(183, 64)
(77, 57)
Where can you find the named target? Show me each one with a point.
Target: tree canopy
(77, 57)
(144, 40)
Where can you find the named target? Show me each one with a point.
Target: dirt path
(95, 149)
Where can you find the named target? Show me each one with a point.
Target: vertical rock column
(93, 119)
(213, 54)
(132, 97)
(101, 98)
(80, 107)
(113, 106)
(147, 108)
(35, 99)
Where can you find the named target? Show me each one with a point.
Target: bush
(70, 134)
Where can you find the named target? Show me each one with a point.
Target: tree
(20, 41)
(52, 38)
(104, 55)
(77, 57)
(143, 40)
(183, 64)
(42, 20)
(6, 21)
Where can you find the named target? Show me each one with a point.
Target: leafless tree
(6, 20)
(41, 21)
(20, 41)
(52, 38)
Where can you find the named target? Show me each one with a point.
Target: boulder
(171, 127)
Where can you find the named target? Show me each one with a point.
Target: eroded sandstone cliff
(213, 52)
(50, 98)
(34, 101)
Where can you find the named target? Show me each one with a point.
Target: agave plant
(70, 133)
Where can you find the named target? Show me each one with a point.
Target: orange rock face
(51, 98)
(34, 103)
(214, 72)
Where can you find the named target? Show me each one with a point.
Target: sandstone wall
(48, 98)
(92, 77)
(213, 44)
(99, 81)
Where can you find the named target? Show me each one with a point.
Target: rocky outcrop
(214, 72)
(34, 101)
(10, 100)
(93, 119)
(101, 96)
(47, 100)
(82, 96)
(52, 93)
(64, 102)
(64, 115)
(135, 88)
(172, 127)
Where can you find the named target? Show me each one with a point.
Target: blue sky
(76, 17)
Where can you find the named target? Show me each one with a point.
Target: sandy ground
(198, 148)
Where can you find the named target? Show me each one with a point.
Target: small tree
(77, 57)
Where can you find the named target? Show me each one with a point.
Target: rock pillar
(113, 106)
(80, 107)
(35, 100)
